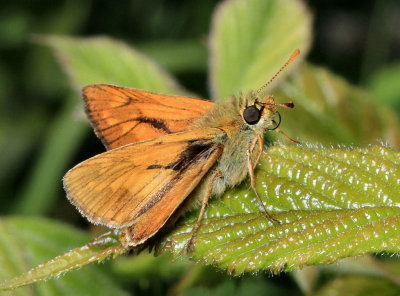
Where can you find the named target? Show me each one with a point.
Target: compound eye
(251, 115)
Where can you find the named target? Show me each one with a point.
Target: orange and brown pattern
(122, 116)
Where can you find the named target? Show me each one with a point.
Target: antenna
(294, 55)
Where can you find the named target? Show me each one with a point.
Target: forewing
(121, 116)
(150, 178)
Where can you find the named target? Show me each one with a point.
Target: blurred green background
(38, 140)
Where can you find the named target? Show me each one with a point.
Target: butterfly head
(258, 111)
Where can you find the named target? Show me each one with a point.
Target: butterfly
(166, 154)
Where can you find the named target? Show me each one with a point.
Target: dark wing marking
(121, 116)
(142, 181)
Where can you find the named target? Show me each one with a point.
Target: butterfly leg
(257, 141)
(207, 194)
(283, 134)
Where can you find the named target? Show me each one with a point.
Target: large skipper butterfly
(164, 153)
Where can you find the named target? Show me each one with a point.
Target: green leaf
(251, 40)
(104, 60)
(382, 266)
(329, 110)
(384, 86)
(357, 285)
(26, 242)
(333, 203)
(228, 287)
(177, 56)
(146, 266)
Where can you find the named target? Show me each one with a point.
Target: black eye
(252, 115)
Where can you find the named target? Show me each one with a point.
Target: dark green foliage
(339, 202)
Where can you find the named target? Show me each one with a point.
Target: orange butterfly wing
(122, 115)
(142, 184)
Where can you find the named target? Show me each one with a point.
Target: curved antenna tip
(292, 57)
